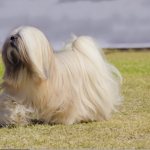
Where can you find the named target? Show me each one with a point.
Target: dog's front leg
(13, 113)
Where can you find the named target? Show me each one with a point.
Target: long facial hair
(13, 60)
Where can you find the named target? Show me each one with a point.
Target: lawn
(129, 128)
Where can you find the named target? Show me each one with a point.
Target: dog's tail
(102, 80)
(88, 47)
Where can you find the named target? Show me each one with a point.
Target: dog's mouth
(13, 56)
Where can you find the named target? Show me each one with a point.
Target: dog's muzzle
(13, 41)
(13, 52)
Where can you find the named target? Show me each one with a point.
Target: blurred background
(113, 23)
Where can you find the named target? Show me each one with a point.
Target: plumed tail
(87, 46)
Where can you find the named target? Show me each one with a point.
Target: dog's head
(26, 50)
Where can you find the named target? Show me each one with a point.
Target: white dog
(71, 86)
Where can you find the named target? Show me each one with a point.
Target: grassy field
(129, 128)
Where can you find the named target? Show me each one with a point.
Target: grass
(129, 128)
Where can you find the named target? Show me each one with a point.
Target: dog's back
(94, 82)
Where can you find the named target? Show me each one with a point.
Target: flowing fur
(71, 86)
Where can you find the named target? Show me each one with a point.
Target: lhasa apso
(74, 85)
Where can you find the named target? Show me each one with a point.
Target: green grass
(129, 128)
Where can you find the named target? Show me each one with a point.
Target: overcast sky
(110, 22)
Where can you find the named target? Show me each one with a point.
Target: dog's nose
(13, 38)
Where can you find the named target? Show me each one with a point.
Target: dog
(74, 85)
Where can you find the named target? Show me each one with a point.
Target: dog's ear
(38, 52)
(39, 71)
(39, 62)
